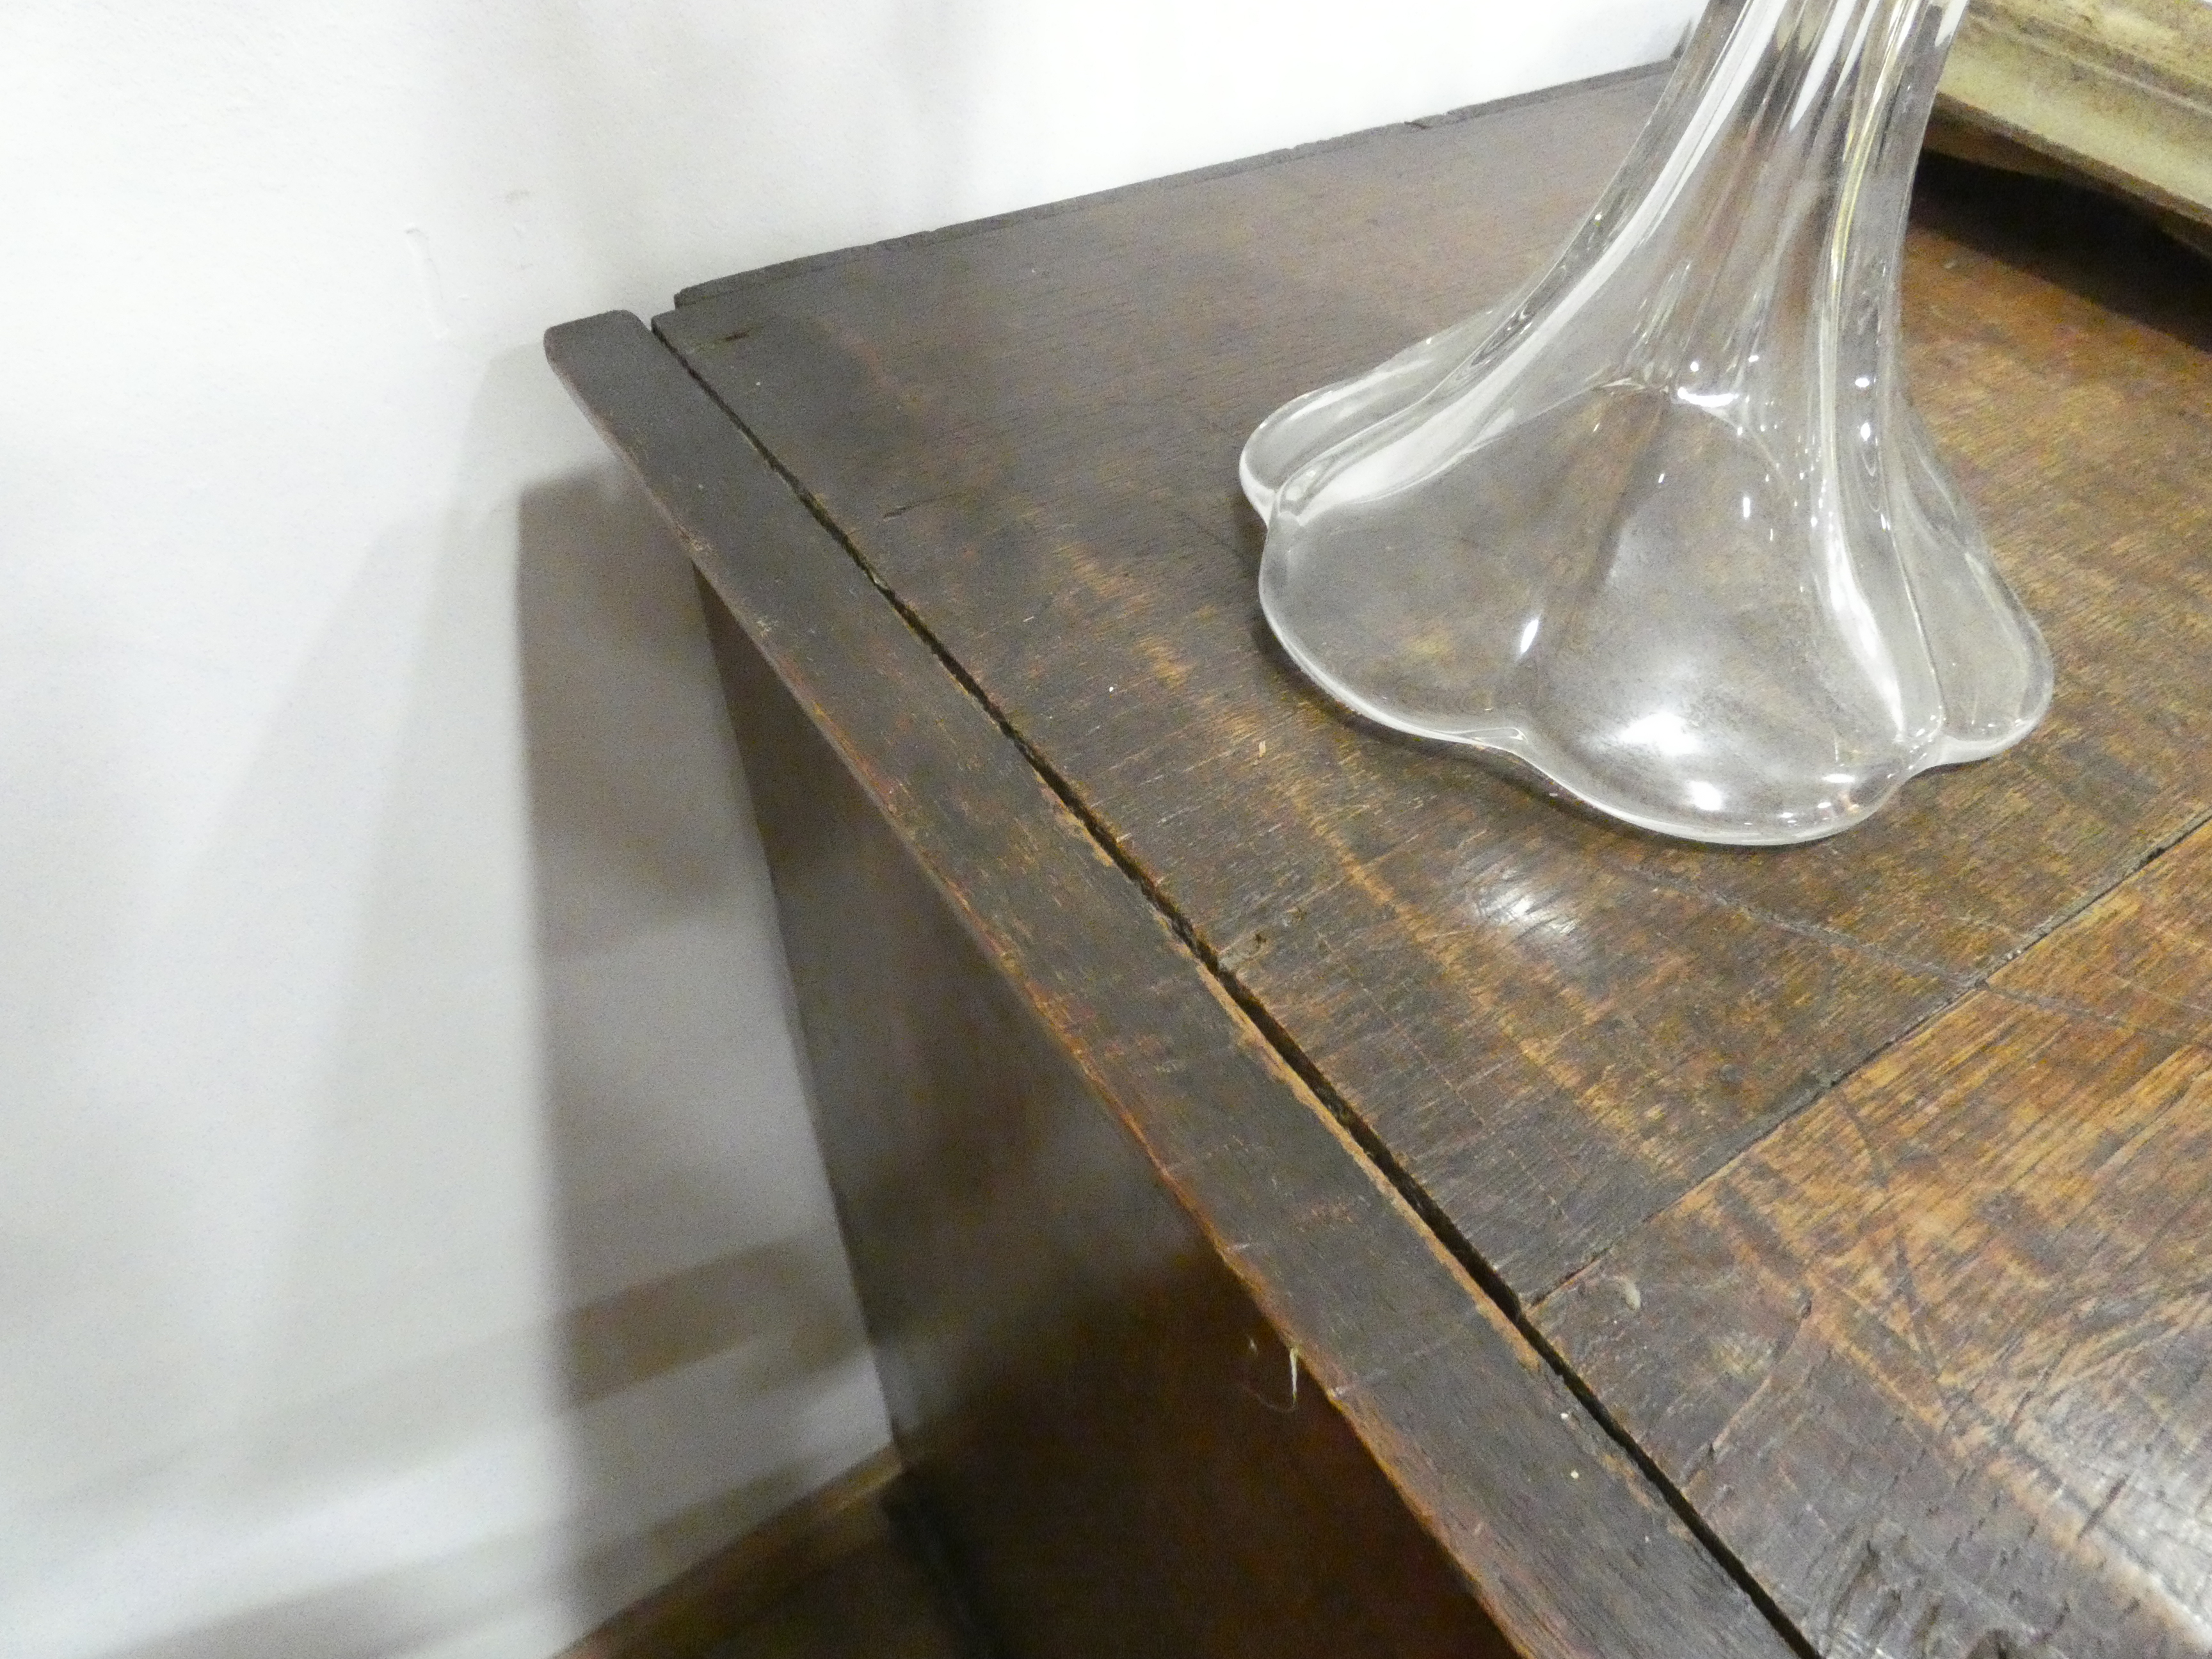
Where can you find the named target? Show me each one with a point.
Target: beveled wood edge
(704, 1607)
(741, 281)
(1572, 1546)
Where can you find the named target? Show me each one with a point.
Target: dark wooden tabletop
(1867, 1185)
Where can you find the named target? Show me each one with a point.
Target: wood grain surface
(1551, 1026)
(1862, 1186)
(1114, 1443)
(1936, 1356)
(1572, 1552)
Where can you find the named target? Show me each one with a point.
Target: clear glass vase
(1664, 526)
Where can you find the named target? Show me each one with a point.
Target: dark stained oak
(873, 1604)
(1090, 1403)
(1859, 1190)
(1092, 1213)
(1554, 1026)
(1936, 1358)
(2141, 957)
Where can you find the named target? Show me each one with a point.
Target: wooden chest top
(1865, 1187)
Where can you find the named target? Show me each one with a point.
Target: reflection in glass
(1665, 527)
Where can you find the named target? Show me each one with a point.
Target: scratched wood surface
(1936, 1358)
(1552, 1026)
(1874, 1221)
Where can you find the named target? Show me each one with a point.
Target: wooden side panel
(1570, 1550)
(1936, 1358)
(1121, 1453)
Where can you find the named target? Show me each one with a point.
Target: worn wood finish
(1936, 1358)
(2118, 91)
(2140, 959)
(1116, 1441)
(1859, 1186)
(1146, 1186)
(1554, 1027)
(1933, 1358)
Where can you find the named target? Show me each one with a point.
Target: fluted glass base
(1665, 528)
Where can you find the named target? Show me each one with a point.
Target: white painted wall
(410, 1238)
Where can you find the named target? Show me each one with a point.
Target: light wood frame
(2119, 92)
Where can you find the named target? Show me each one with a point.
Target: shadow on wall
(668, 1351)
(676, 1117)
(687, 139)
(418, 1608)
